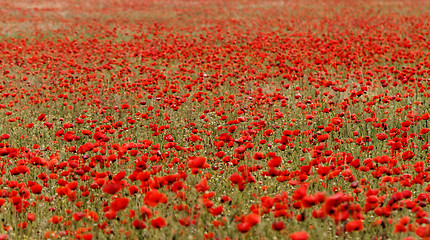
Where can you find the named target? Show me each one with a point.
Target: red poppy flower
(119, 176)
(110, 215)
(202, 186)
(19, 170)
(98, 136)
(323, 137)
(49, 125)
(153, 198)
(196, 162)
(138, 224)
(278, 226)
(5, 136)
(86, 132)
(36, 189)
(395, 145)
(406, 124)
(88, 236)
(78, 216)
(355, 225)
(333, 201)
(133, 190)
(336, 121)
(408, 155)
(145, 212)
(225, 198)
(185, 221)
(56, 219)
(322, 170)
(216, 211)
(243, 227)
(253, 219)
(299, 193)
(381, 136)
(302, 235)
(112, 187)
(119, 204)
(158, 222)
(372, 199)
(231, 129)
(424, 131)
(268, 132)
(275, 162)
(93, 216)
(168, 138)
(41, 117)
(31, 217)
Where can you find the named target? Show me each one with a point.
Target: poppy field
(245, 119)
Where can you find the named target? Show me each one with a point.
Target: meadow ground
(214, 119)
